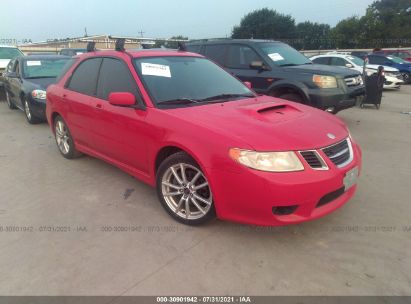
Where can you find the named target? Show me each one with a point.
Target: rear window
(9, 53)
(321, 60)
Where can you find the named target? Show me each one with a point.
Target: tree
(311, 36)
(345, 33)
(265, 24)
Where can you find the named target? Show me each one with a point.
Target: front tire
(29, 113)
(64, 140)
(184, 191)
(10, 104)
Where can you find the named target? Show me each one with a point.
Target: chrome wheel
(27, 110)
(62, 137)
(186, 191)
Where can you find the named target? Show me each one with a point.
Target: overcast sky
(44, 19)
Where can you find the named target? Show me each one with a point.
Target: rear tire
(184, 191)
(64, 140)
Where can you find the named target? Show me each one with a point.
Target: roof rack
(120, 44)
(91, 46)
(182, 47)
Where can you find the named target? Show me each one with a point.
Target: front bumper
(337, 99)
(252, 197)
(38, 107)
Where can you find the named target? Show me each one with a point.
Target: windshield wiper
(178, 101)
(225, 96)
(288, 64)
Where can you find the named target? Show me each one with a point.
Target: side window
(66, 67)
(10, 66)
(241, 56)
(322, 60)
(377, 60)
(216, 53)
(17, 67)
(337, 61)
(115, 76)
(84, 78)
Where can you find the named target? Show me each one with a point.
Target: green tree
(265, 24)
(346, 33)
(311, 36)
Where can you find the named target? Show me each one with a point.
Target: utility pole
(141, 33)
(85, 32)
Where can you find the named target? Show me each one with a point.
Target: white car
(392, 75)
(7, 53)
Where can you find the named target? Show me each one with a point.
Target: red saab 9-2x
(208, 143)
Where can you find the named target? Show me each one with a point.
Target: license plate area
(350, 178)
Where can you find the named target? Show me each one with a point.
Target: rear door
(80, 89)
(120, 133)
(239, 58)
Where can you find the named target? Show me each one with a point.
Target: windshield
(283, 55)
(188, 79)
(43, 68)
(9, 53)
(356, 60)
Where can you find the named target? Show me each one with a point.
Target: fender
(297, 86)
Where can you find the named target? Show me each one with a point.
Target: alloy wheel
(27, 110)
(62, 137)
(186, 191)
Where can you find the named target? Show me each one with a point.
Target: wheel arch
(279, 89)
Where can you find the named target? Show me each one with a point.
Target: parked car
(403, 54)
(208, 143)
(360, 54)
(403, 66)
(26, 81)
(393, 77)
(72, 52)
(7, 53)
(276, 69)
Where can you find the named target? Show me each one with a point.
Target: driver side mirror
(258, 65)
(349, 65)
(122, 99)
(248, 84)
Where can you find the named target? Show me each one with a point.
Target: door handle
(99, 106)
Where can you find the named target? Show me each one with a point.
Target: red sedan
(208, 143)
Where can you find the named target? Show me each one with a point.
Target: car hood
(267, 124)
(41, 83)
(4, 63)
(322, 69)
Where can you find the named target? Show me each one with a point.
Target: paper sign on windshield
(276, 57)
(155, 70)
(33, 63)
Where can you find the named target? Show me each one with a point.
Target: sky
(48, 19)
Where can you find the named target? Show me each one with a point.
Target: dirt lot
(62, 215)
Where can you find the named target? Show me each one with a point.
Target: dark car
(72, 52)
(26, 81)
(276, 69)
(403, 66)
(360, 54)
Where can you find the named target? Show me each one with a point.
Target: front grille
(314, 160)
(353, 81)
(340, 154)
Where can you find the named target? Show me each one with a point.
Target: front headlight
(325, 82)
(267, 161)
(38, 94)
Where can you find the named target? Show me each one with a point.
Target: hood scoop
(273, 112)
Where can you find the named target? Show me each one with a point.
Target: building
(102, 42)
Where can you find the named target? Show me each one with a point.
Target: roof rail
(91, 46)
(120, 44)
(182, 47)
(209, 39)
